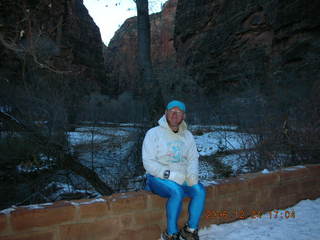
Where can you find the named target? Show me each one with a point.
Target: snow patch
(97, 200)
(207, 183)
(212, 142)
(293, 168)
(34, 206)
(212, 127)
(205, 173)
(304, 226)
(8, 210)
(237, 162)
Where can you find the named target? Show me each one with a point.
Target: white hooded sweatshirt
(165, 150)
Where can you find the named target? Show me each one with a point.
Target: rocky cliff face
(49, 37)
(121, 54)
(120, 58)
(245, 49)
(232, 45)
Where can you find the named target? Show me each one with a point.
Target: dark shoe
(166, 236)
(186, 234)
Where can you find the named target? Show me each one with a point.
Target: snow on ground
(304, 226)
(113, 124)
(265, 171)
(111, 145)
(43, 163)
(85, 135)
(76, 138)
(22, 168)
(211, 142)
(212, 127)
(237, 162)
(206, 173)
(59, 189)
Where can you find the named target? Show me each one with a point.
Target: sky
(109, 15)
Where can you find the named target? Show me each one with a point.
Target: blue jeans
(175, 194)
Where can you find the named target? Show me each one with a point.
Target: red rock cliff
(228, 44)
(58, 36)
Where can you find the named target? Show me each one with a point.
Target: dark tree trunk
(71, 163)
(150, 85)
(144, 41)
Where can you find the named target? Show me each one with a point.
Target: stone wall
(141, 215)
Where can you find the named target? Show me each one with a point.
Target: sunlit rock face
(121, 54)
(231, 45)
(50, 36)
(162, 33)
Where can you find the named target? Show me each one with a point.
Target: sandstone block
(98, 230)
(31, 236)
(24, 218)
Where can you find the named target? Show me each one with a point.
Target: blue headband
(176, 103)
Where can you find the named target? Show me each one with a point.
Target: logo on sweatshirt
(175, 151)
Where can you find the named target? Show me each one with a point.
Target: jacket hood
(163, 123)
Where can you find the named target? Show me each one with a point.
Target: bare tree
(150, 85)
